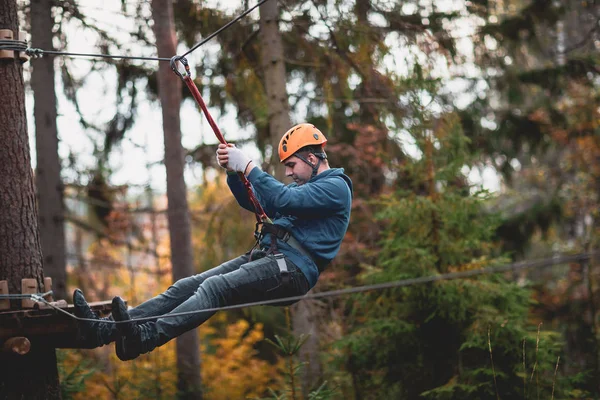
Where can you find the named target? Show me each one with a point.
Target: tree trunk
(273, 65)
(34, 375)
(169, 89)
(48, 181)
(305, 321)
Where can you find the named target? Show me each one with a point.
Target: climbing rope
(186, 76)
(543, 263)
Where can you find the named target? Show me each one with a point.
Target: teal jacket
(317, 213)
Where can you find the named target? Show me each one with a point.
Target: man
(310, 218)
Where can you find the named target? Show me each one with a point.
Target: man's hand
(232, 158)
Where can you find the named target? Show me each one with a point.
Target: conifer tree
(540, 62)
(432, 340)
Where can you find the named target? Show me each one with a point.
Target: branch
(585, 39)
(84, 225)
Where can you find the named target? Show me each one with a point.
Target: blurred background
(471, 131)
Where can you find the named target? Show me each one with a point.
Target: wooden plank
(6, 34)
(47, 326)
(22, 55)
(5, 303)
(58, 304)
(28, 286)
(48, 287)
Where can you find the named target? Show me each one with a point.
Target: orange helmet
(297, 137)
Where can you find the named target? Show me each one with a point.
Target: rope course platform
(39, 324)
(45, 325)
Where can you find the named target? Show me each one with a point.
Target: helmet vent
(307, 135)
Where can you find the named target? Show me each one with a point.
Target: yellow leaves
(474, 264)
(234, 371)
(150, 376)
(586, 153)
(231, 367)
(222, 229)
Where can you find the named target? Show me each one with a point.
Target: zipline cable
(221, 29)
(543, 263)
(17, 45)
(261, 216)
(38, 52)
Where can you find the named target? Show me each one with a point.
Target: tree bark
(305, 321)
(34, 375)
(273, 65)
(169, 90)
(48, 180)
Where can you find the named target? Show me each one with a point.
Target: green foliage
(72, 378)
(432, 340)
(289, 347)
(539, 62)
(537, 92)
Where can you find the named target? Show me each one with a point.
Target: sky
(137, 160)
(143, 145)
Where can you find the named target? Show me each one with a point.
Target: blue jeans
(234, 282)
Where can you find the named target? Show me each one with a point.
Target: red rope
(261, 216)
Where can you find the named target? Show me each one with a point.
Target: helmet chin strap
(315, 167)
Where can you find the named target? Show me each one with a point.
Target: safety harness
(268, 227)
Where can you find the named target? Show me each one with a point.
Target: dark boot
(135, 339)
(92, 334)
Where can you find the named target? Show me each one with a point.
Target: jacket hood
(332, 172)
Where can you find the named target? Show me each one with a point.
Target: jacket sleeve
(311, 199)
(241, 194)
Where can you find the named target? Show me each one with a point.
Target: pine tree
(539, 59)
(432, 340)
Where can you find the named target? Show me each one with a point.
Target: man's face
(298, 170)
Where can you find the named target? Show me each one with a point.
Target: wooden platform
(48, 327)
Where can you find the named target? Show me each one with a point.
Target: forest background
(471, 133)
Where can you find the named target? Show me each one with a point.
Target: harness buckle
(283, 270)
(257, 232)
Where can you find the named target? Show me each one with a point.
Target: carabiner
(185, 64)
